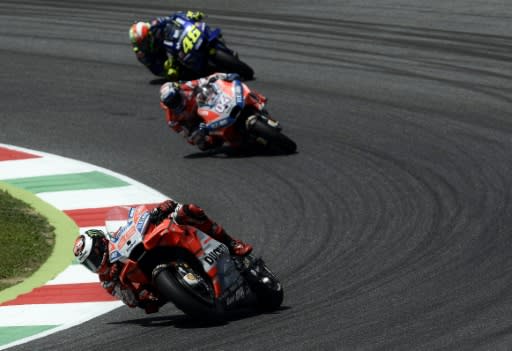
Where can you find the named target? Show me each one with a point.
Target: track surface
(390, 228)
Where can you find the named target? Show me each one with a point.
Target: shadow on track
(227, 152)
(185, 322)
(163, 80)
(159, 81)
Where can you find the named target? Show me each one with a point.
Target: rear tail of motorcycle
(225, 60)
(265, 284)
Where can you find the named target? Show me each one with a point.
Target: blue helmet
(170, 96)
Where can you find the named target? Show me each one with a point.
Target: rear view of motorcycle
(202, 50)
(190, 269)
(236, 116)
(244, 282)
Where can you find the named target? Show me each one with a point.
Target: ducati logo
(212, 256)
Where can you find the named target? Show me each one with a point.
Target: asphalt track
(390, 226)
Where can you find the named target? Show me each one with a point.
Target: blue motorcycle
(202, 51)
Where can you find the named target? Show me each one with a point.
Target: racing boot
(239, 248)
(236, 247)
(194, 215)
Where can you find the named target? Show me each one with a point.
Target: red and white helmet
(139, 33)
(91, 249)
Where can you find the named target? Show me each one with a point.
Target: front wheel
(189, 289)
(270, 136)
(227, 63)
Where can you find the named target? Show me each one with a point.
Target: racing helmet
(91, 249)
(170, 95)
(140, 35)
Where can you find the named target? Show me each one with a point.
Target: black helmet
(91, 249)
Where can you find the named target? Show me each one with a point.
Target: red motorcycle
(235, 116)
(185, 266)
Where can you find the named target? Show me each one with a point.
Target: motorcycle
(182, 265)
(202, 51)
(235, 116)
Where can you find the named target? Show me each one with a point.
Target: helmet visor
(95, 260)
(176, 101)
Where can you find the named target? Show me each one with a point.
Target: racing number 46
(190, 40)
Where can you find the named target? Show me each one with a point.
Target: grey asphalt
(390, 228)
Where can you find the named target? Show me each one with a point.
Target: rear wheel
(230, 64)
(189, 289)
(271, 137)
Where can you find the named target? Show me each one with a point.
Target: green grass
(26, 240)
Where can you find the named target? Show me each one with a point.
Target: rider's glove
(158, 214)
(155, 216)
(196, 16)
(162, 211)
(167, 206)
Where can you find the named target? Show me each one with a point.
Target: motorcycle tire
(272, 137)
(175, 287)
(230, 64)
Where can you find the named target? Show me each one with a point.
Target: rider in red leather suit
(91, 249)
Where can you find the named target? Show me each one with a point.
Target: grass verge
(26, 240)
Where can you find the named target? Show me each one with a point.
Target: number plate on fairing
(124, 241)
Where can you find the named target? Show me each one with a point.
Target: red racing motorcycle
(235, 116)
(188, 268)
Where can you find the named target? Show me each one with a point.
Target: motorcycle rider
(180, 101)
(92, 250)
(147, 39)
